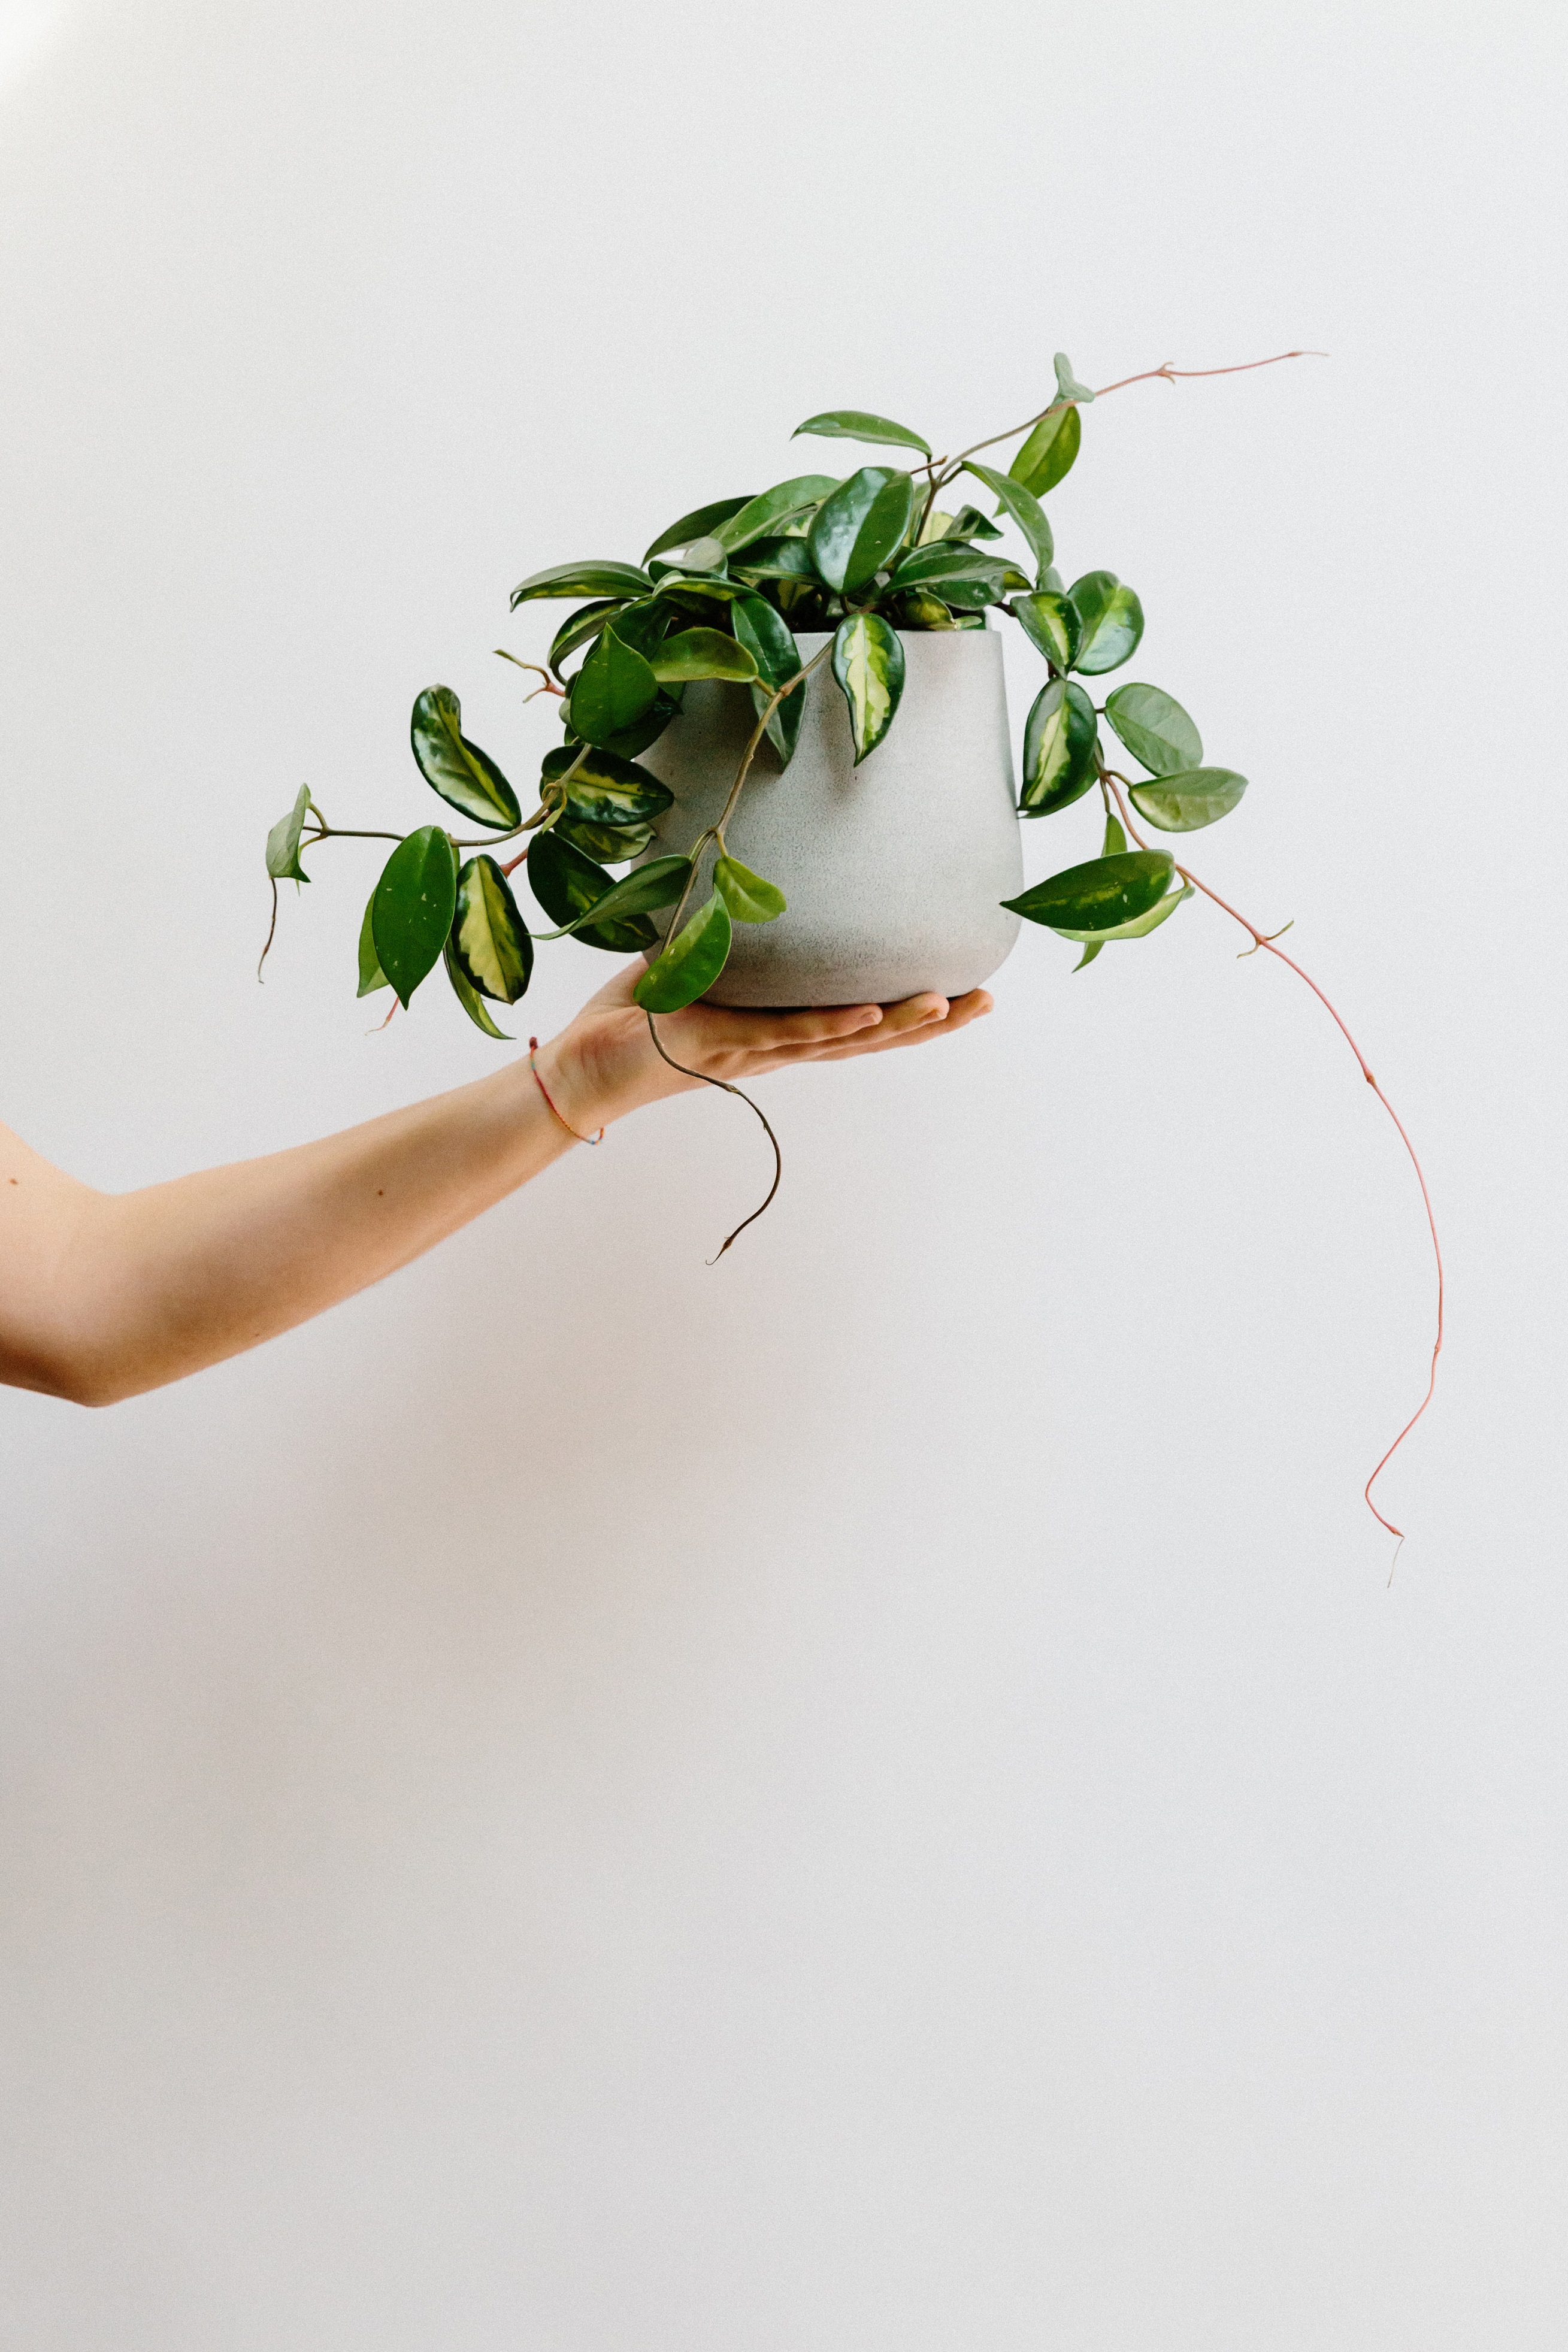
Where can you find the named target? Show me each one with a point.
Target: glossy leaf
(371, 975)
(1058, 748)
(627, 741)
(951, 569)
(469, 996)
(613, 690)
(567, 884)
(690, 963)
(603, 790)
(857, 529)
(699, 524)
(1049, 451)
(869, 662)
(1050, 622)
(611, 845)
(1115, 840)
(1187, 802)
(1155, 728)
(283, 841)
(1068, 384)
(969, 523)
(749, 898)
(859, 425)
(703, 555)
(463, 774)
(489, 940)
(1094, 899)
(761, 516)
(659, 883)
(769, 639)
(1112, 622)
(578, 627)
(777, 559)
(592, 579)
(644, 623)
(920, 611)
(412, 910)
(1091, 949)
(1138, 928)
(702, 653)
(1025, 510)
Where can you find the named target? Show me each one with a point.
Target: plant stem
(725, 1088)
(1263, 939)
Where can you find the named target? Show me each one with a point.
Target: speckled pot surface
(894, 871)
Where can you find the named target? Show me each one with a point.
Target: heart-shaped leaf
(490, 942)
(690, 963)
(769, 639)
(1097, 898)
(702, 653)
(1068, 384)
(468, 997)
(457, 769)
(857, 529)
(859, 425)
(613, 691)
(371, 975)
(701, 523)
(567, 885)
(1112, 622)
(1058, 748)
(578, 627)
(1049, 451)
(283, 841)
(601, 789)
(1187, 802)
(412, 910)
(761, 516)
(869, 662)
(1155, 728)
(1025, 510)
(749, 898)
(593, 578)
(1050, 622)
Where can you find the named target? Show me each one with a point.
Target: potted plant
(787, 726)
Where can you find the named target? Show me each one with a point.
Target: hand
(603, 1064)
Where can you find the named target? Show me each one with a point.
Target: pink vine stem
(1260, 939)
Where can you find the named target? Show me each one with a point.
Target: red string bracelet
(544, 1090)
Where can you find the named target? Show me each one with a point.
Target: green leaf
(1187, 802)
(699, 524)
(612, 844)
(749, 898)
(1112, 622)
(769, 639)
(593, 578)
(578, 627)
(1091, 949)
(659, 883)
(1050, 622)
(869, 662)
(1049, 451)
(412, 910)
(969, 523)
(1138, 928)
(613, 691)
(490, 942)
(457, 769)
(857, 529)
(283, 841)
(777, 559)
(643, 624)
(702, 653)
(468, 997)
(1097, 898)
(1058, 748)
(1115, 840)
(1156, 730)
(567, 885)
(627, 741)
(690, 963)
(760, 517)
(371, 975)
(951, 569)
(859, 425)
(1068, 384)
(1025, 510)
(605, 790)
(703, 555)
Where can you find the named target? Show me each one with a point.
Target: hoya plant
(725, 592)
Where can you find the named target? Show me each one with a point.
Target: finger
(964, 1009)
(720, 1029)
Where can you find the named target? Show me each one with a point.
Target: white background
(870, 1799)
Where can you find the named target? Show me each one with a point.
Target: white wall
(873, 1799)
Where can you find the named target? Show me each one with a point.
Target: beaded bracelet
(544, 1090)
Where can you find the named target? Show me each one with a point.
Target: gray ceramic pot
(894, 870)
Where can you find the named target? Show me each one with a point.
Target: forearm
(159, 1283)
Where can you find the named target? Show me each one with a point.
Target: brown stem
(725, 1088)
(271, 928)
(1263, 939)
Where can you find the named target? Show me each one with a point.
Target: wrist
(573, 1104)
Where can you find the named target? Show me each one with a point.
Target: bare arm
(104, 1296)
